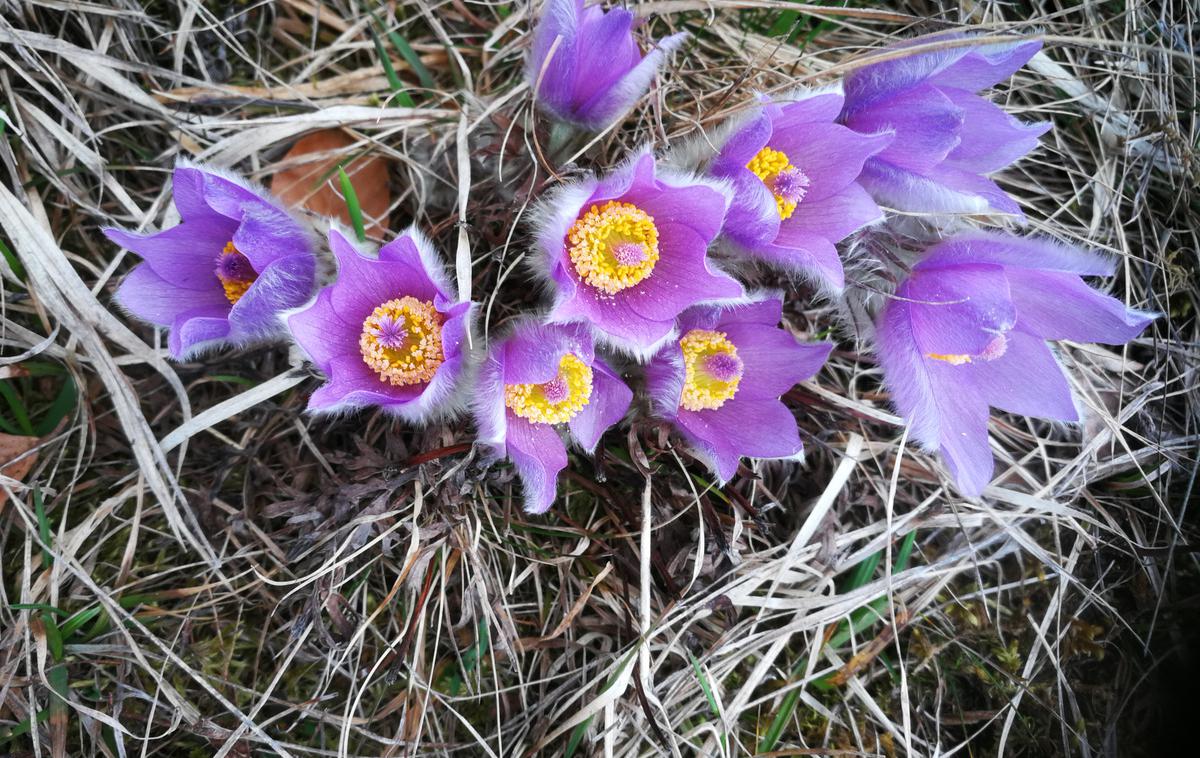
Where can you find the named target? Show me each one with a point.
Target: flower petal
(607, 106)
(286, 283)
(184, 255)
(959, 310)
(806, 253)
(986, 65)
(742, 427)
(925, 122)
(322, 333)
(833, 218)
(268, 234)
(197, 330)
(610, 400)
(773, 362)
(538, 454)
(151, 298)
(558, 22)
(1056, 306)
(1027, 252)
(993, 139)
(830, 155)
(607, 51)
(801, 108)
(682, 277)
(914, 193)
(1025, 380)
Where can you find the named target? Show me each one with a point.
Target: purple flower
(388, 332)
(590, 69)
(223, 275)
(947, 137)
(795, 194)
(968, 330)
(628, 253)
(537, 383)
(721, 381)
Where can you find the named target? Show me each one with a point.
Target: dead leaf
(13, 446)
(311, 180)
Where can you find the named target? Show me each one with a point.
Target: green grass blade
(63, 404)
(39, 509)
(389, 71)
(352, 205)
(17, 406)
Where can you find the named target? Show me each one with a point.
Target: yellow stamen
(701, 390)
(767, 164)
(417, 355)
(613, 246)
(556, 401)
(954, 359)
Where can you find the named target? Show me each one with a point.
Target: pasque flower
(225, 273)
(628, 253)
(946, 136)
(388, 332)
(540, 383)
(720, 382)
(793, 171)
(585, 67)
(968, 329)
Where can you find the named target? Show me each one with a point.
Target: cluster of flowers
(629, 258)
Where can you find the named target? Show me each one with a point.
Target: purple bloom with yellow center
(585, 67)
(388, 332)
(628, 253)
(224, 274)
(968, 330)
(946, 136)
(795, 194)
(720, 382)
(541, 383)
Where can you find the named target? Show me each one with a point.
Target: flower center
(402, 341)
(235, 272)
(787, 183)
(613, 246)
(993, 350)
(556, 401)
(711, 370)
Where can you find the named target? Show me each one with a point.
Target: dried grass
(248, 579)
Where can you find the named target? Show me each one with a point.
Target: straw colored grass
(194, 566)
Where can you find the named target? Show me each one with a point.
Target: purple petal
(681, 277)
(606, 52)
(992, 139)
(538, 454)
(958, 310)
(268, 234)
(741, 148)
(941, 416)
(1056, 306)
(363, 283)
(806, 253)
(322, 333)
(833, 218)
(637, 172)
(605, 107)
(761, 309)
(773, 362)
(187, 190)
(286, 283)
(184, 255)
(424, 264)
(1027, 252)
(816, 108)
(830, 155)
(967, 183)
(353, 384)
(613, 316)
(197, 329)
(753, 428)
(532, 353)
(231, 196)
(986, 65)
(151, 298)
(1025, 380)
(925, 122)
(914, 193)
(559, 19)
(696, 206)
(610, 400)
(753, 218)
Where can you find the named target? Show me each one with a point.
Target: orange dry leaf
(311, 179)
(13, 446)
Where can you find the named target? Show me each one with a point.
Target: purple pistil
(390, 333)
(723, 367)
(556, 390)
(791, 184)
(629, 253)
(235, 267)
